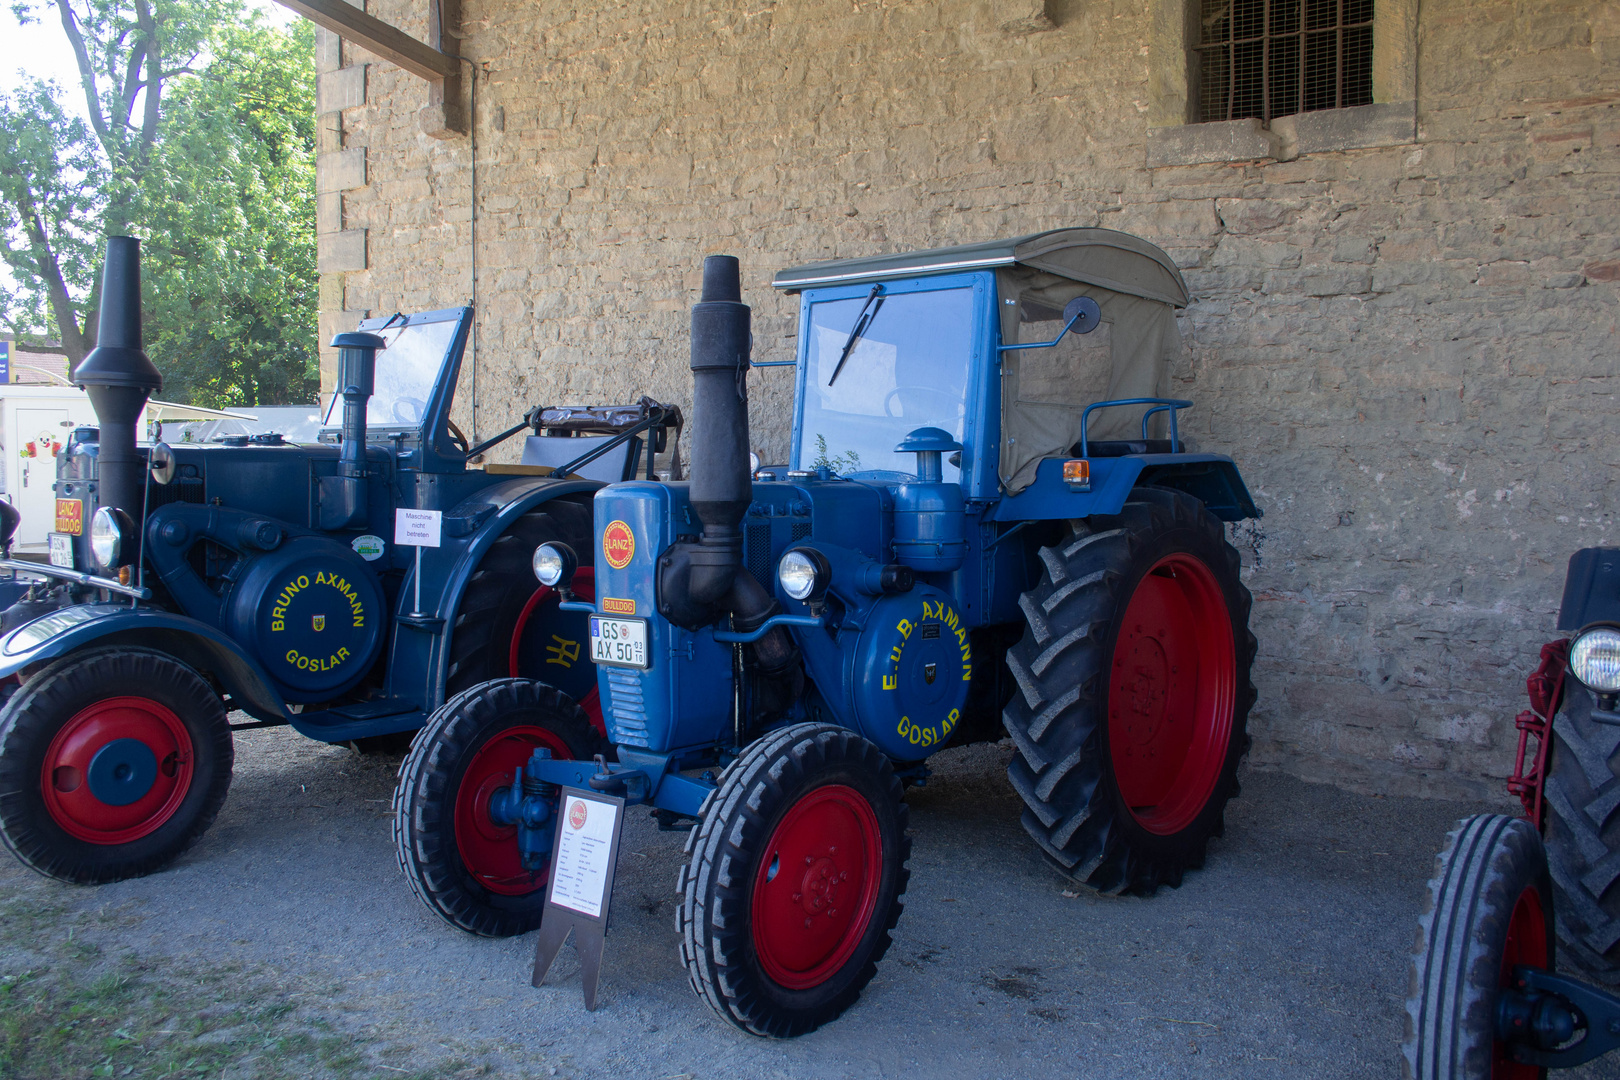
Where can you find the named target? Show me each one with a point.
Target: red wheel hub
(117, 770)
(1526, 945)
(488, 850)
(1171, 694)
(817, 886)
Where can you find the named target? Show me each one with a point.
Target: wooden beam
(370, 32)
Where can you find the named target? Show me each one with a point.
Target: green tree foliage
(201, 141)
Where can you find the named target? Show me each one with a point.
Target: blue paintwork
(220, 621)
(1048, 498)
(122, 772)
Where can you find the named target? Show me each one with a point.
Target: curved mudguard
(1213, 479)
(195, 643)
(487, 514)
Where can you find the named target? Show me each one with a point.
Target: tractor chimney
(722, 485)
(117, 376)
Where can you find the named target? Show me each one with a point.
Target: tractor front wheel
(463, 865)
(112, 763)
(793, 880)
(1490, 909)
(1134, 693)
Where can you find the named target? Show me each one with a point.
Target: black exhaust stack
(118, 378)
(699, 583)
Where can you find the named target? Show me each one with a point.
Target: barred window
(1270, 58)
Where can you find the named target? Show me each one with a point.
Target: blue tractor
(188, 582)
(989, 526)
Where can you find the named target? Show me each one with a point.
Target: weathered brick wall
(1409, 348)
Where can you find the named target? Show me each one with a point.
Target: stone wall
(1405, 325)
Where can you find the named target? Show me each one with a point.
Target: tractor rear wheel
(1583, 834)
(1134, 693)
(793, 880)
(466, 868)
(112, 763)
(1490, 909)
(509, 626)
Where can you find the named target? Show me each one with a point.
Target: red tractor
(1508, 893)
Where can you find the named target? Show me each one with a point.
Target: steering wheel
(457, 439)
(411, 405)
(950, 398)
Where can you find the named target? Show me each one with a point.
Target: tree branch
(45, 263)
(154, 76)
(87, 74)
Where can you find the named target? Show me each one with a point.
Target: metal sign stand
(584, 856)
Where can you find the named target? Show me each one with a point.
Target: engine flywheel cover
(912, 670)
(312, 613)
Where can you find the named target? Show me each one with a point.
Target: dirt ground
(287, 944)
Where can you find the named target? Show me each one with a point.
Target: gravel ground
(1284, 957)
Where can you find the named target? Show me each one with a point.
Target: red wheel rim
(1526, 945)
(585, 588)
(64, 778)
(489, 851)
(817, 886)
(1171, 692)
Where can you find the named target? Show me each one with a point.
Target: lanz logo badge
(319, 622)
(70, 517)
(618, 544)
(576, 814)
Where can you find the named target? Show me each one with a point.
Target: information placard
(417, 528)
(579, 892)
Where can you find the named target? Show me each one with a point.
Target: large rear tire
(1490, 908)
(509, 626)
(112, 763)
(461, 864)
(793, 881)
(1134, 694)
(1583, 835)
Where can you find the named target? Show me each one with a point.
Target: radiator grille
(627, 709)
(801, 529)
(757, 551)
(1270, 58)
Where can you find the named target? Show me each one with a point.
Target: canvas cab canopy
(1044, 391)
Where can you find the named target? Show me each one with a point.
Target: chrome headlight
(804, 573)
(111, 537)
(1594, 658)
(554, 564)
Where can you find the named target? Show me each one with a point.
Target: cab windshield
(907, 369)
(407, 371)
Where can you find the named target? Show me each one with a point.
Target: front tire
(112, 763)
(794, 880)
(1134, 694)
(462, 865)
(1490, 909)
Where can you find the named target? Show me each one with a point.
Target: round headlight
(554, 564)
(803, 574)
(110, 537)
(1594, 658)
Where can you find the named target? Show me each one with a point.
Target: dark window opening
(1270, 58)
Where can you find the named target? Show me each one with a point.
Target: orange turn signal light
(1077, 474)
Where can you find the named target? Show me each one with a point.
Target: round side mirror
(163, 463)
(1081, 315)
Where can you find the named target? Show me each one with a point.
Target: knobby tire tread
(1583, 835)
(1061, 670)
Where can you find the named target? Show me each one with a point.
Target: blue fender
(493, 510)
(188, 640)
(1213, 479)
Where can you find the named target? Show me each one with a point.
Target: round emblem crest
(576, 814)
(618, 544)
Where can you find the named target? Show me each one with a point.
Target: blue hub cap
(122, 772)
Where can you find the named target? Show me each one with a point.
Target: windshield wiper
(868, 312)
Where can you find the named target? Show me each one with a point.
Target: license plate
(62, 550)
(619, 641)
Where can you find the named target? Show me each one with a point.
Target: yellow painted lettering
(277, 624)
(890, 682)
(905, 628)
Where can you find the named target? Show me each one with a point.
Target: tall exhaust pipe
(118, 378)
(722, 482)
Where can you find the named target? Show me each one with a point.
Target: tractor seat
(556, 451)
(1121, 447)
